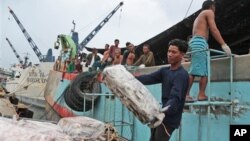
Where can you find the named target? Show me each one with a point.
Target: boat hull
(201, 121)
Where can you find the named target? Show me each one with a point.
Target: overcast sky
(136, 21)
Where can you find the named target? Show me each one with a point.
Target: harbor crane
(14, 50)
(98, 28)
(42, 58)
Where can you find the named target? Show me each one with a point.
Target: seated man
(91, 59)
(106, 60)
(131, 55)
(118, 57)
(147, 58)
(125, 54)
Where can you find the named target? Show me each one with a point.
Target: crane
(14, 50)
(27, 36)
(98, 27)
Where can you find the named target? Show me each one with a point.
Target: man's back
(204, 23)
(200, 26)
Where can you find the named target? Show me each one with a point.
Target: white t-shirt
(92, 61)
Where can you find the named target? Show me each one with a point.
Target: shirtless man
(118, 57)
(204, 23)
(113, 48)
(131, 56)
(106, 54)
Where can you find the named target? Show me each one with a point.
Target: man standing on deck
(202, 24)
(174, 80)
(92, 58)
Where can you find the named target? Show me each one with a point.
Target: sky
(136, 21)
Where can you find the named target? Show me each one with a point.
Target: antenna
(74, 25)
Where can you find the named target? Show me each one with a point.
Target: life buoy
(75, 94)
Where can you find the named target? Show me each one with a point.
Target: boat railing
(208, 89)
(201, 105)
(211, 103)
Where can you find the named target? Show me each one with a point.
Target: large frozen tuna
(83, 128)
(67, 129)
(133, 94)
(28, 130)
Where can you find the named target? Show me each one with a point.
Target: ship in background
(29, 80)
(9, 104)
(73, 94)
(70, 95)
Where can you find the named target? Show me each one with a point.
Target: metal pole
(84, 103)
(231, 88)
(209, 75)
(93, 103)
(199, 125)
(123, 109)
(209, 94)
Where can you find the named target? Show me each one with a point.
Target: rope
(46, 112)
(92, 22)
(166, 131)
(188, 8)
(120, 16)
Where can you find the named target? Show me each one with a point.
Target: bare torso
(200, 26)
(117, 60)
(105, 55)
(205, 23)
(130, 58)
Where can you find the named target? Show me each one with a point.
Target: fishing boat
(82, 94)
(70, 94)
(29, 80)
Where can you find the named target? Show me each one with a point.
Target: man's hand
(109, 59)
(164, 109)
(142, 66)
(226, 48)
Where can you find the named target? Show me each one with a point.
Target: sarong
(198, 66)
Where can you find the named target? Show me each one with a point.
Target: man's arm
(105, 56)
(138, 62)
(213, 28)
(215, 32)
(125, 55)
(111, 52)
(177, 93)
(152, 78)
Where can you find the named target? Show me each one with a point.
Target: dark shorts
(161, 133)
